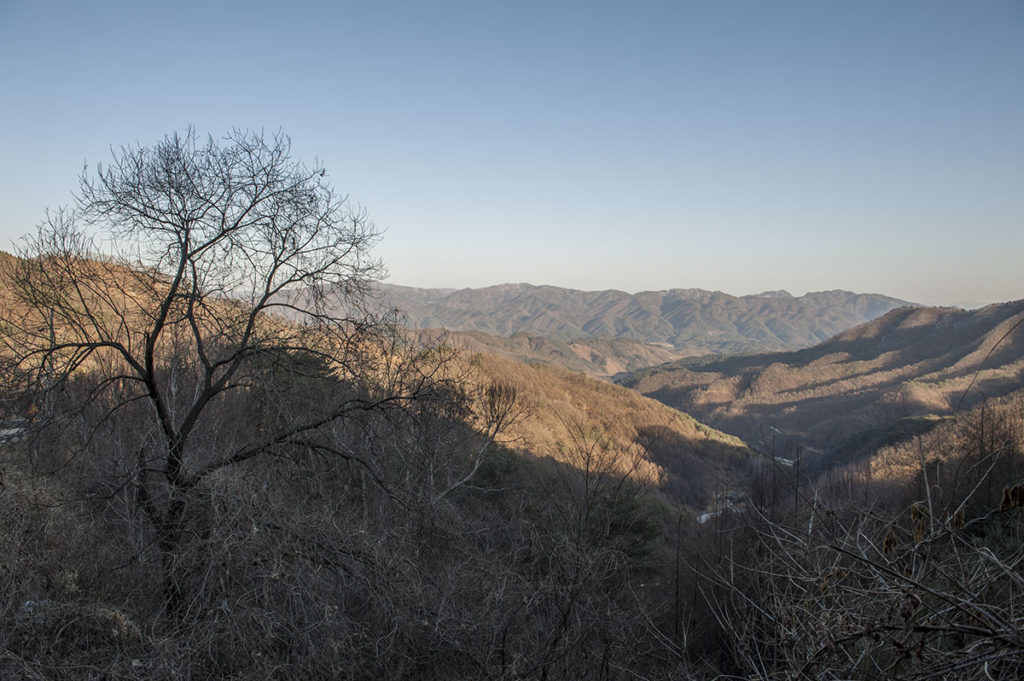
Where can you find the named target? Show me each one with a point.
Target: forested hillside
(599, 356)
(692, 321)
(907, 567)
(205, 475)
(665, 449)
(466, 515)
(220, 460)
(860, 387)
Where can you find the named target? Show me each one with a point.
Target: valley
(295, 471)
(891, 377)
(844, 396)
(641, 486)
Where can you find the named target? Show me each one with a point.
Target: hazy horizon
(796, 294)
(741, 147)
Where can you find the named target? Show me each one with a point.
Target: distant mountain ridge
(695, 321)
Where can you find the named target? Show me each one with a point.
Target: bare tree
(200, 306)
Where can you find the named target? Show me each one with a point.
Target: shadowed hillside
(993, 428)
(686, 459)
(463, 503)
(864, 382)
(916, 548)
(692, 321)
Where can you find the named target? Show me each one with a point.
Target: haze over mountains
(690, 321)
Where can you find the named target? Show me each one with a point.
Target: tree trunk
(169, 538)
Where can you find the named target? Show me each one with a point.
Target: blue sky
(740, 146)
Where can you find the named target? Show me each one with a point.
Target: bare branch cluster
(199, 290)
(841, 587)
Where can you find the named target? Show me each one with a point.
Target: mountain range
(674, 453)
(686, 321)
(858, 390)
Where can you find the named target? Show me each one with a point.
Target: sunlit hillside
(687, 459)
(655, 444)
(910, 362)
(598, 356)
(987, 435)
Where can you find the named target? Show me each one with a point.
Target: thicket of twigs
(309, 566)
(910, 571)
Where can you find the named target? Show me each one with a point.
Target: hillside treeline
(218, 462)
(310, 565)
(307, 564)
(906, 566)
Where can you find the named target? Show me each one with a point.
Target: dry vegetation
(310, 566)
(200, 488)
(909, 567)
(603, 357)
(687, 459)
(911, 362)
(957, 441)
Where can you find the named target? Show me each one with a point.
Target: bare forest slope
(908, 363)
(666, 448)
(599, 356)
(643, 438)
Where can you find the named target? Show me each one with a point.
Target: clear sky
(740, 146)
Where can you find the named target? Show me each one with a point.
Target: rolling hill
(682, 457)
(858, 389)
(601, 356)
(679, 455)
(691, 321)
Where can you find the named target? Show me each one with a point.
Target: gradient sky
(739, 146)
